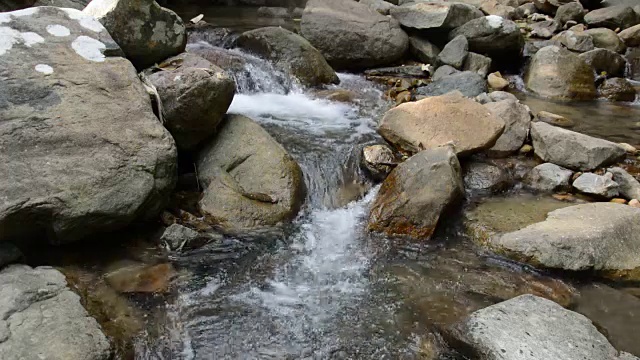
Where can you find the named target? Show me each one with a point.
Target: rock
(72, 4)
(558, 73)
(631, 36)
(629, 187)
(524, 11)
(379, 160)
(525, 149)
(633, 58)
(439, 120)
(9, 254)
(493, 36)
(497, 82)
(423, 50)
(618, 201)
(572, 11)
(613, 17)
(146, 32)
(380, 6)
(470, 84)
(606, 39)
(601, 237)
(42, 318)
(249, 179)
(291, 53)
(628, 148)
(501, 95)
(548, 177)
(617, 89)
(176, 236)
(533, 328)
(550, 6)
(545, 29)
(554, 119)
(404, 71)
(578, 41)
(634, 203)
(195, 96)
(273, 12)
(444, 71)
(571, 149)
(372, 40)
(603, 60)
(493, 7)
(434, 15)
(416, 193)
(477, 63)
(486, 179)
(455, 52)
(517, 122)
(86, 157)
(134, 277)
(597, 185)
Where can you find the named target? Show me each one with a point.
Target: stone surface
(146, 32)
(372, 39)
(545, 29)
(614, 17)
(493, 36)
(441, 72)
(435, 15)
(577, 41)
(617, 89)
(423, 50)
(177, 236)
(291, 53)
(81, 150)
(549, 6)
(517, 122)
(468, 83)
(477, 63)
(195, 96)
(497, 82)
(532, 328)
(597, 185)
(631, 36)
(603, 60)
(572, 11)
(606, 39)
(379, 160)
(485, 179)
(629, 187)
(494, 7)
(380, 6)
(554, 119)
(436, 121)
(454, 53)
(548, 177)
(416, 193)
(558, 73)
(43, 319)
(571, 149)
(249, 179)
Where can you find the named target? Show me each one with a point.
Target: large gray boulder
(601, 186)
(439, 120)
(351, 35)
(291, 53)
(558, 73)
(435, 14)
(548, 177)
(529, 327)
(614, 17)
(249, 180)
(605, 60)
(493, 36)
(571, 149)
(416, 193)
(195, 96)
(40, 318)
(82, 151)
(468, 83)
(517, 121)
(629, 187)
(600, 237)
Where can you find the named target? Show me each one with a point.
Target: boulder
(533, 328)
(477, 63)
(601, 186)
(578, 41)
(486, 179)
(572, 11)
(606, 39)
(380, 6)
(372, 39)
(423, 50)
(517, 121)
(82, 151)
(195, 96)
(176, 236)
(628, 186)
(416, 193)
(603, 60)
(617, 89)
(379, 160)
(146, 32)
(631, 36)
(439, 120)
(548, 177)
(469, 84)
(493, 36)
(435, 14)
(494, 7)
(554, 119)
(571, 149)
(42, 319)
(454, 53)
(249, 179)
(291, 53)
(545, 29)
(558, 73)
(614, 17)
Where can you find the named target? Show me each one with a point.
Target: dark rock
(492, 35)
(548, 177)
(517, 122)
(455, 52)
(545, 29)
(617, 89)
(578, 41)
(443, 71)
(486, 179)
(423, 50)
(434, 15)
(603, 60)
(470, 84)
(477, 63)
(614, 17)
(177, 236)
(572, 11)
(9, 254)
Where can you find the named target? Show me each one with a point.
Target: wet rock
(434, 15)
(603, 60)
(525, 10)
(273, 12)
(469, 84)
(42, 318)
(423, 50)
(617, 89)
(614, 17)
(633, 58)
(373, 40)
(380, 6)
(176, 236)
(549, 177)
(554, 119)
(631, 36)
(146, 32)
(249, 179)
(493, 36)
(578, 41)
(134, 277)
(550, 6)
(606, 39)
(485, 179)
(455, 52)
(9, 254)
(443, 71)
(195, 96)
(534, 328)
(497, 82)
(597, 185)
(379, 160)
(407, 71)
(517, 122)
(628, 148)
(572, 11)
(493, 7)
(339, 95)
(416, 193)
(291, 53)
(477, 63)
(86, 157)
(440, 120)
(545, 29)
(558, 73)
(600, 237)
(571, 149)
(629, 187)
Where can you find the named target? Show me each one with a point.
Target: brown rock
(496, 81)
(554, 119)
(133, 277)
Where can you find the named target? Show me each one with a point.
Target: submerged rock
(517, 121)
(177, 236)
(492, 35)
(549, 177)
(597, 185)
(134, 277)
(469, 84)
(434, 15)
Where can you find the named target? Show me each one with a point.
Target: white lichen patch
(25, 12)
(58, 30)
(85, 20)
(44, 68)
(494, 21)
(99, 8)
(177, 78)
(4, 17)
(159, 32)
(10, 37)
(89, 48)
(31, 38)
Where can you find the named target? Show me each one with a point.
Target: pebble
(496, 81)
(628, 148)
(525, 149)
(635, 203)
(618, 201)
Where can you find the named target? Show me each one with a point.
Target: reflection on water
(234, 17)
